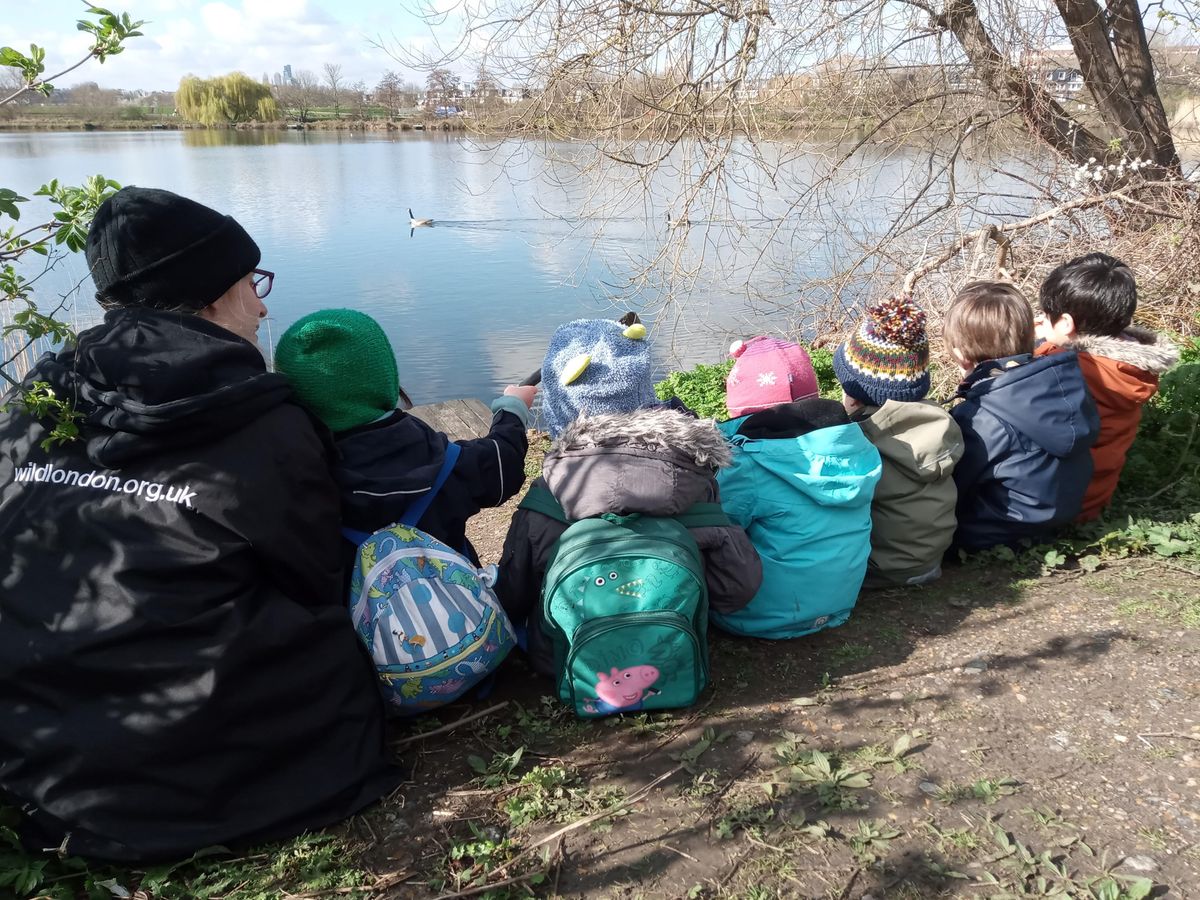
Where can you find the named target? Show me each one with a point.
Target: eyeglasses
(262, 281)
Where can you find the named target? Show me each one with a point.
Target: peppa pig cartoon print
(622, 690)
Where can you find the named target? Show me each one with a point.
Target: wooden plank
(459, 419)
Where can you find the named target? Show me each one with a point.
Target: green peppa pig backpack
(625, 606)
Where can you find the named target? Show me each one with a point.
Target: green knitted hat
(341, 367)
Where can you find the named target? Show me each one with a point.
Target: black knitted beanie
(149, 247)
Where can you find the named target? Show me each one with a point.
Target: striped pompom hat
(887, 357)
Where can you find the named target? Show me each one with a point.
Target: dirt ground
(985, 736)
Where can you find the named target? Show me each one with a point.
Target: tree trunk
(1118, 71)
(1041, 112)
(1087, 29)
(1133, 54)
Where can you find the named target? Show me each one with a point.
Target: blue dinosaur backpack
(429, 618)
(625, 606)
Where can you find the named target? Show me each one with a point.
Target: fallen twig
(679, 853)
(712, 804)
(382, 883)
(1170, 734)
(463, 721)
(481, 888)
(636, 797)
(849, 884)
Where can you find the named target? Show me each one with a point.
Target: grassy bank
(1025, 727)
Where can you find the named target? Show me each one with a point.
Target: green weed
(311, 863)
(871, 840)
(499, 771)
(813, 770)
(552, 794)
(848, 653)
(985, 789)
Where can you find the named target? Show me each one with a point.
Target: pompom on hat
(595, 366)
(768, 372)
(887, 356)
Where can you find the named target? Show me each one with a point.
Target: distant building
(287, 75)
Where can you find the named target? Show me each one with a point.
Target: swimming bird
(676, 223)
(414, 222)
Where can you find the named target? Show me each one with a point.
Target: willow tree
(777, 110)
(225, 100)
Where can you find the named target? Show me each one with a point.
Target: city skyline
(214, 37)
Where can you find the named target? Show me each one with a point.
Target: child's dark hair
(989, 320)
(1097, 291)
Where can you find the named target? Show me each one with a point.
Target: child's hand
(526, 393)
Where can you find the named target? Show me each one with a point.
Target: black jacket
(1028, 426)
(177, 665)
(386, 464)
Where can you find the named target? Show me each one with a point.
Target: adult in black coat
(177, 666)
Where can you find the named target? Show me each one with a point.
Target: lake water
(522, 242)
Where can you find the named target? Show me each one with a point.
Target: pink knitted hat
(768, 372)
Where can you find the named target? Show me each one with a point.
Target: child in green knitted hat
(342, 368)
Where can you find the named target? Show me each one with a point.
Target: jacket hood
(831, 466)
(1138, 347)
(651, 461)
(393, 459)
(146, 381)
(1044, 398)
(921, 439)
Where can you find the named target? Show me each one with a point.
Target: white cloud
(212, 38)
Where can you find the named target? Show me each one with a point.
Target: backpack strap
(704, 515)
(539, 499)
(701, 515)
(416, 509)
(412, 515)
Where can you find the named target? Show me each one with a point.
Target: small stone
(745, 737)
(1140, 863)
(975, 666)
(805, 701)
(1120, 738)
(895, 695)
(928, 787)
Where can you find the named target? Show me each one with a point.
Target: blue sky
(209, 37)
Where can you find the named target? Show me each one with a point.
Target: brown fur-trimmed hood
(1136, 346)
(651, 429)
(652, 461)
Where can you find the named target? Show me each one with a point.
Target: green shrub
(1160, 475)
(703, 388)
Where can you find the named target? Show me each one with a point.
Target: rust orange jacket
(1122, 374)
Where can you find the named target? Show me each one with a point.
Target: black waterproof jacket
(1028, 426)
(177, 666)
(385, 465)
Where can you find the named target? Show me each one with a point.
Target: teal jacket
(803, 494)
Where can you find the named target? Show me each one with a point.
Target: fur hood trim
(1138, 347)
(659, 430)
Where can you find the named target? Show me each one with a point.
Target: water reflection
(528, 234)
(204, 137)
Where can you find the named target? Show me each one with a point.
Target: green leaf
(477, 763)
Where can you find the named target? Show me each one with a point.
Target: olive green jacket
(912, 515)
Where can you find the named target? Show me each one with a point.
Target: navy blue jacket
(1028, 426)
(383, 466)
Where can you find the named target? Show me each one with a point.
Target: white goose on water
(414, 222)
